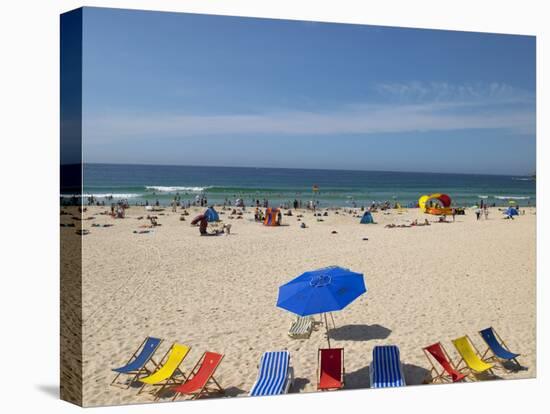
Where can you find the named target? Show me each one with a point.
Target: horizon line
(307, 169)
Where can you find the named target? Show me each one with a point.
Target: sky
(188, 89)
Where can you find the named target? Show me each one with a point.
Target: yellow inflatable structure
(442, 205)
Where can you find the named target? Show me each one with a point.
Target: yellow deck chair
(169, 371)
(471, 357)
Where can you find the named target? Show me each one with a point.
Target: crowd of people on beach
(118, 208)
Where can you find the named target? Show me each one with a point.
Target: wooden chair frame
(472, 373)
(144, 370)
(443, 376)
(494, 357)
(170, 380)
(342, 372)
(205, 389)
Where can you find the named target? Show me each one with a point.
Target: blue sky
(184, 89)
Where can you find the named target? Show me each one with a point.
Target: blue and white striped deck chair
(275, 374)
(385, 368)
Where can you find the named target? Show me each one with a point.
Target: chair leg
(159, 392)
(217, 385)
(130, 381)
(116, 377)
(142, 387)
(169, 381)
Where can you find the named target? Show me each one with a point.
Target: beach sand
(425, 284)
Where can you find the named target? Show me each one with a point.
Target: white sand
(425, 284)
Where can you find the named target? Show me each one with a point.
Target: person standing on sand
(486, 212)
(453, 211)
(478, 214)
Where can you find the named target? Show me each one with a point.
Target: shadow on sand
(513, 367)
(234, 392)
(357, 379)
(414, 375)
(299, 384)
(359, 332)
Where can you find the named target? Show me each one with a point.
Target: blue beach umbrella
(320, 291)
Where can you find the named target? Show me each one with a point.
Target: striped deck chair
(301, 328)
(330, 375)
(275, 374)
(169, 369)
(215, 226)
(449, 373)
(201, 375)
(497, 347)
(471, 357)
(385, 368)
(139, 364)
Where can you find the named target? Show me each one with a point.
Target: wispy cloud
(468, 93)
(407, 108)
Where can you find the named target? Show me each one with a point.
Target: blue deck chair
(137, 364)
(497, 346)
(385, 369)
(275, 374)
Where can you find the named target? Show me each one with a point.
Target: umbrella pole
(333, 323)
(326, 326)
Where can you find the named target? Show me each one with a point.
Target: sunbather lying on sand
(153, 220)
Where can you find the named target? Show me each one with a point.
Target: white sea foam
(104, 195)
(113, 195)
(513, 197)
(166, 189)
(483, 196)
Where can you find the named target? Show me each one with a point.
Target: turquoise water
(140, 183)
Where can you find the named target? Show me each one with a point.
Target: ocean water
(140, 183)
